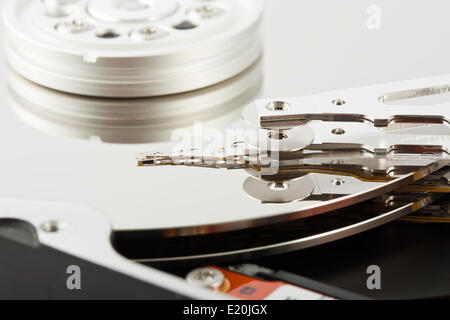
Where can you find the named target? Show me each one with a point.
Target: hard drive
(224, 150)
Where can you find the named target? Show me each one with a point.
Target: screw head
(278, 106)
(338, 182)
(206, 11)
(206, 277)
(53, 226)
(73, 26)
(148, 33)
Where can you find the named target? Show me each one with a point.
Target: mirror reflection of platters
(140, 120)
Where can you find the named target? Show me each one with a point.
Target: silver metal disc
(279, 191)
(131, 48)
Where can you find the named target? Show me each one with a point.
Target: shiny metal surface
(125, 49)
(209, 278)
(332, 49)
(349, 224)
(279, 191)
(142, 120)
(365, 105)
(303, 209)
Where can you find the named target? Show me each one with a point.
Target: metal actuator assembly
(389, 121)
(370, 155)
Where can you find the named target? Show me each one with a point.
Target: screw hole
(278, 186)
(278, 106)
(107, 34)
(338, 102)
(278, 135)
(52, 226)
(185, 25)
(338, 131)
(338, 182)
